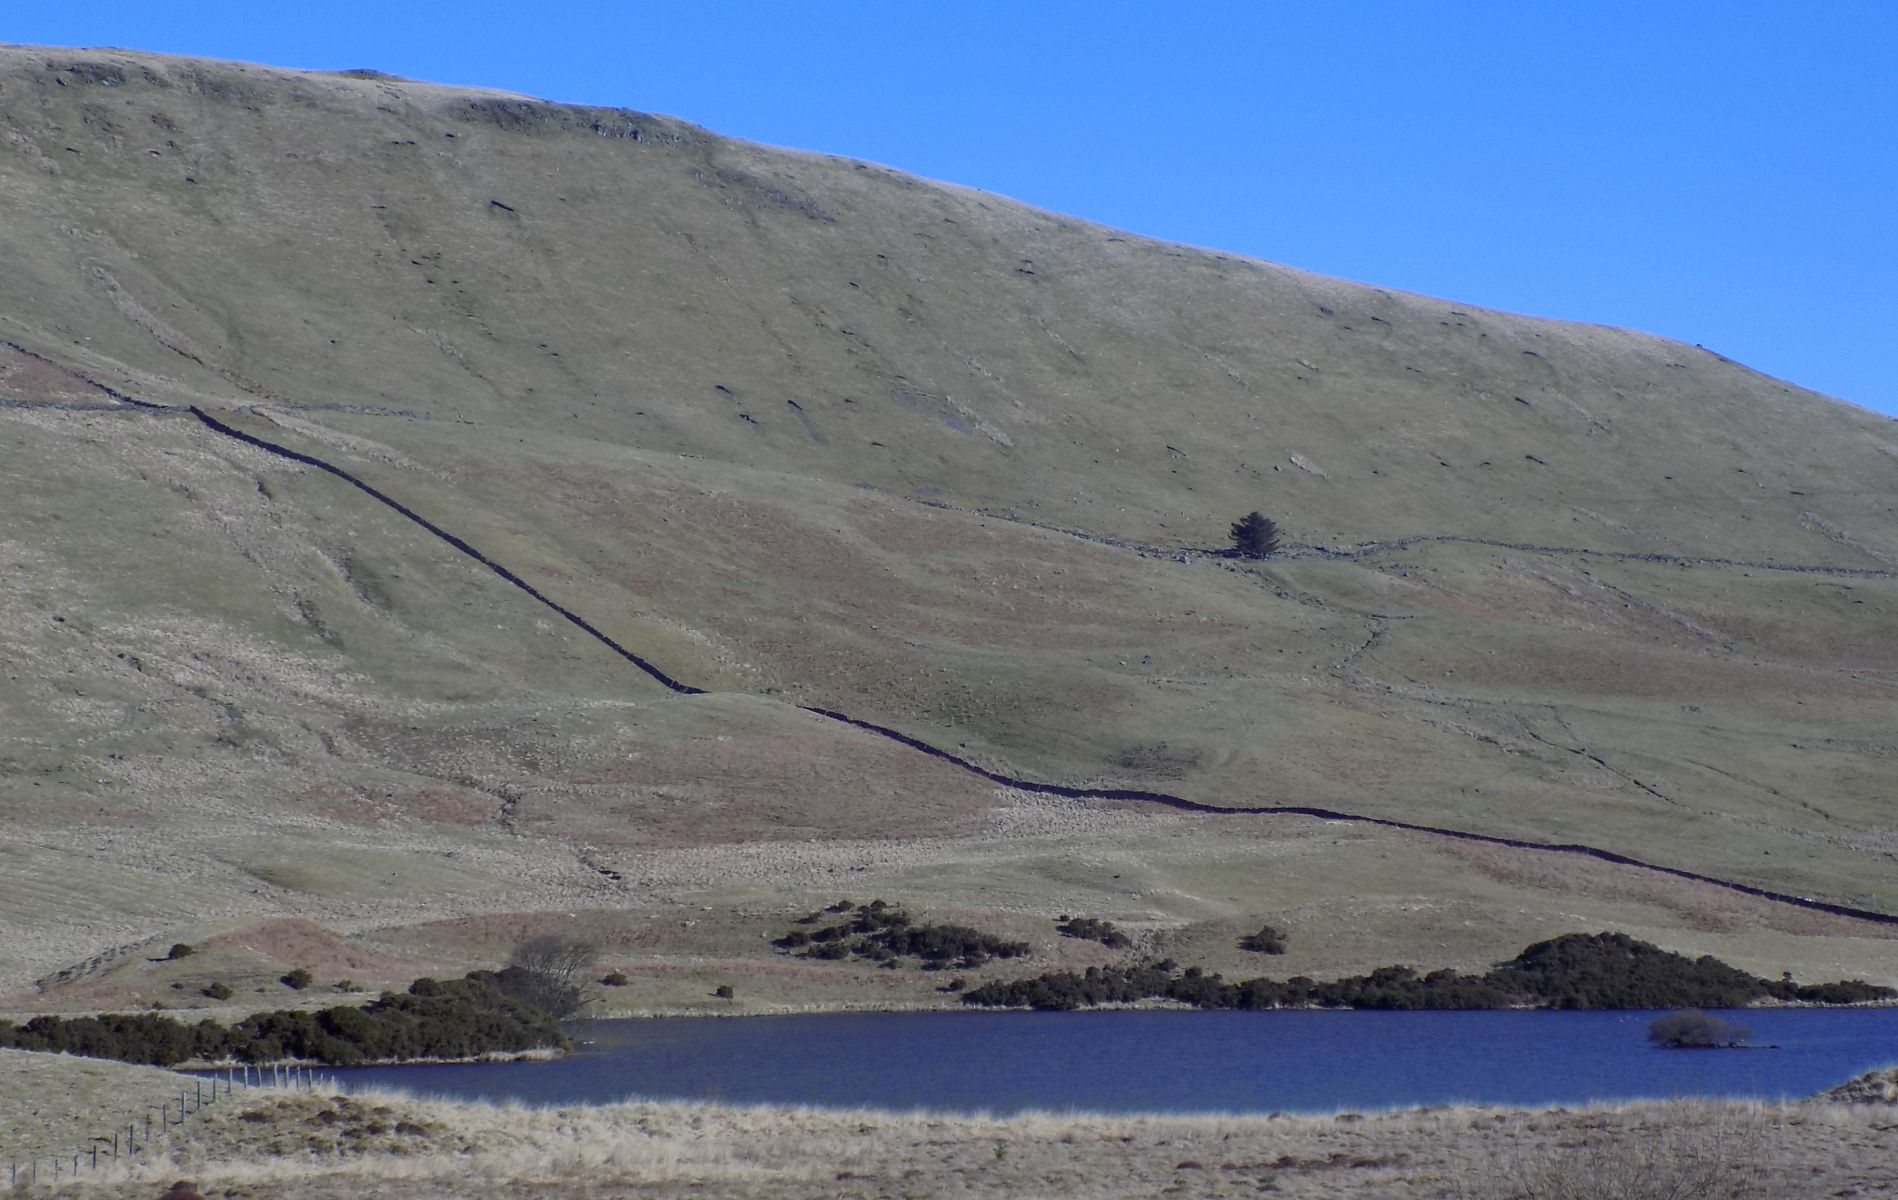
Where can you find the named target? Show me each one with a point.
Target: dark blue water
(1171, 1061)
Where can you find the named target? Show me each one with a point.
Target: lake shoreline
(846, 1008)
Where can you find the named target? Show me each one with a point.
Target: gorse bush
(1090, 929)
(1269, 940)
(1604, 970)
(883, 934)
(454, 1018)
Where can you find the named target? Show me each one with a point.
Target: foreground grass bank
(385, 1145)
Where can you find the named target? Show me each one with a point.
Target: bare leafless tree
(551, 972)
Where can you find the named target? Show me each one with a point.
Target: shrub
(1695, 1030)
(219, 990)
(1090, 929)
(454, 1018)
(886, 935)
(1269, 940)
(181, 950)
(1603, 970)
(724, 991)
(616, 979)
(298, 979)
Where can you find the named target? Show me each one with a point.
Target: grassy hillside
(802, 430)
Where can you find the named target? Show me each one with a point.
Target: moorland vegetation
(1603, 970)
(881, 933)
(344, 533)
(434, 1018)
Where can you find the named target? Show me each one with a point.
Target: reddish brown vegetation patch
(448, 807)
(23, 377)
(778, 788)
(301, 942)
(344, 805)
(1700, 905)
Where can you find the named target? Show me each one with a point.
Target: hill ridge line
(1165, 799)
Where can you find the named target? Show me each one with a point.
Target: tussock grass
(381, 1144)
(50, 1103)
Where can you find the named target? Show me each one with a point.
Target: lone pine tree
(1255, 536)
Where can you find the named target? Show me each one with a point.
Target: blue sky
(1723, 174)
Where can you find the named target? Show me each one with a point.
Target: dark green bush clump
(1269, 940)
(181, 950)
(219, 990)
(298, 979)
(1092, 930)
(1695, 1030)
(454, 1018)
(1604, 970)
(886, 935)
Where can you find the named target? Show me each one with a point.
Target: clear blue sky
(1724, 174)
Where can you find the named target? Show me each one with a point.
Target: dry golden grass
(53, 1104)
(385, 1146)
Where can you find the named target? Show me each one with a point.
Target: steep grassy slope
(803, 430)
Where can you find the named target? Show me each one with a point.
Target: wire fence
(143, 1137)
